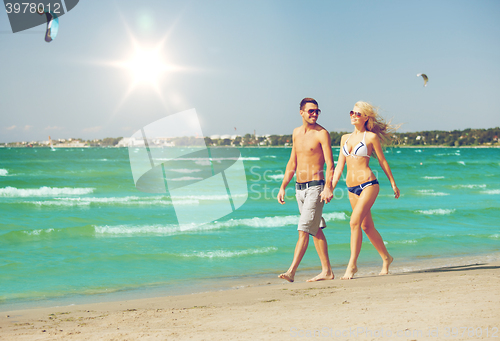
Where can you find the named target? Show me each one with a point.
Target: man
(311, 150)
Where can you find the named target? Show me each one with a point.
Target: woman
(355, 150)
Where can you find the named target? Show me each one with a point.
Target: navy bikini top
(359, 150)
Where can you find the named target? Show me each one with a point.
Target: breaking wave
(43, 191)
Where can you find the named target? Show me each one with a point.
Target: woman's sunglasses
(358, 114)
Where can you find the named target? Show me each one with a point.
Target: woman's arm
(377, 147)
(340, 164)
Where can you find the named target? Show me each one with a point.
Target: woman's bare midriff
(358, 171)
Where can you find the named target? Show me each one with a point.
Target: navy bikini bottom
(359, 188)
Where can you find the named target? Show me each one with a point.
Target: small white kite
(424, 76)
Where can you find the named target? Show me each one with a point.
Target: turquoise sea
(74, 228)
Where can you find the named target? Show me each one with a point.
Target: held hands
(396, 191)
(326, 195)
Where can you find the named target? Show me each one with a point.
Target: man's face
(310, 113)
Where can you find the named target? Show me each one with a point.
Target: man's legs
(311, 209)
(300, 250)
(322, 250)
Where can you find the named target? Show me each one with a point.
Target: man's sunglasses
(358, 114)
(314, 111)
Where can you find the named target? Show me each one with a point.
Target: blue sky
(245, 65)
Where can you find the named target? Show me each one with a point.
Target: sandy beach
(456, 303)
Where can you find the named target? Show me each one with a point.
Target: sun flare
(147, 66)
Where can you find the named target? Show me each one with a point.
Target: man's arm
(326, 146)
(289, 173)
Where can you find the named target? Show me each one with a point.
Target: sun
(147, 66)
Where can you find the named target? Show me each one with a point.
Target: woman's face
(355, 118)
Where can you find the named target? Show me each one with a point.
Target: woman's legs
(376, 239)
(361, 206)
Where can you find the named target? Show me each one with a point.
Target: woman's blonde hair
(375, 123)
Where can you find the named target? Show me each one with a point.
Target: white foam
(276, 177)
(431, 192)
(37, 232)
(259, 222)
(43, 191)
(161, 230)
(276, 221)
(185, 178)
(266, 222)
(433, 177)
(208, 197)
(438, 211)
(4, 172)
(203, 162)
(229, 254)
(491, 191)
(33, 233)
(409, 241)
(215, 159)
(470, 186)
(130, 200)
(126, 230)
(57, 203)
(461, 162)
(335, 216)
(185, 170)
(448, 154)
(494, 236)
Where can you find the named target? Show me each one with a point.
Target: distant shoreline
(112, 147)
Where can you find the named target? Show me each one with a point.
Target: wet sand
(454, 303)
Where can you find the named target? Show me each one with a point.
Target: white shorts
(311, 209)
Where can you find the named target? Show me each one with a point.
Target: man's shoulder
(317, 129)
(321, 130)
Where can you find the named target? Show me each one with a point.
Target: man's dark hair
(307, 100)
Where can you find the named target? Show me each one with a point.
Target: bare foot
(322, 277)
(349, 273)
(287, 276)
(385, 266)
